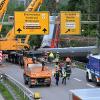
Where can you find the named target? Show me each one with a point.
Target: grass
(5, 93)
(18, 92)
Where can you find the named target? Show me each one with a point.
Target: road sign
(70, 22)
(31, 23)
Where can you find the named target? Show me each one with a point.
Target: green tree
(35, 40)
(98, 6)
(49, 5)
(76, 5)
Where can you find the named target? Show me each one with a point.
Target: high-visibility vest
(64, 74)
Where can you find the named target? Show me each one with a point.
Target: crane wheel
(25, 81)
(29, 83)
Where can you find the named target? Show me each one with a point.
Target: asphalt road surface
(60, 92)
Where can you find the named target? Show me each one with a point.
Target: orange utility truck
(35, 73)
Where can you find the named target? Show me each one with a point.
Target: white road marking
(77, 79)
(90, 85)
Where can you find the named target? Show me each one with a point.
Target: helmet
(34, 58)
(68, 59)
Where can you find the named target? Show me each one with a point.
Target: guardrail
(52, 22)
(27, 94)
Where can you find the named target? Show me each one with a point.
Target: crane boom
(3, 7)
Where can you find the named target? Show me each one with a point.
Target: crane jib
(1, 4)
(32, 5)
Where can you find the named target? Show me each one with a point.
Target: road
(61, 92)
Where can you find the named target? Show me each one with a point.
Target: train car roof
(95, 56)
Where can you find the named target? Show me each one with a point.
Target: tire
(96, 83)
(87, 77)
(29, 83)
(48, 85)
(25, 81)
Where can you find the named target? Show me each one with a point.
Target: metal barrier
(26, 92)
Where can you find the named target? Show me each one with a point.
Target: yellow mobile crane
(10, 42)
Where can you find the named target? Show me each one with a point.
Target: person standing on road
(43, 64)
(68, 71)
(57, 75)
(64, 76)
(68, 64)
(60, 69)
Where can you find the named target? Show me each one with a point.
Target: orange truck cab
(36, 74)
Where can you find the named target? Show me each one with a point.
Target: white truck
(85, 94)
(93, 69)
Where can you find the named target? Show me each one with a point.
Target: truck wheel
(96, 83)
(29, 83)
(48, 85)
(25, 81)
(87, 77)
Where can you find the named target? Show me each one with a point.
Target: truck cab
(93, 69)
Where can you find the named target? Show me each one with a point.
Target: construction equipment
(35, 73)
(17, 45)
(10, 42)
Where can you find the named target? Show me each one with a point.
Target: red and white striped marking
(1, 57)
(5, 56)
